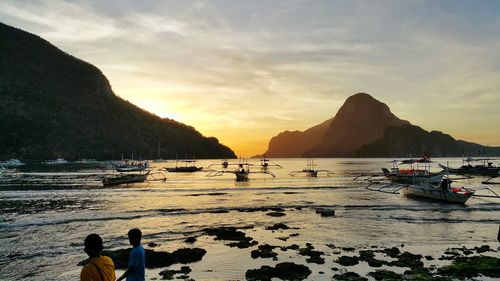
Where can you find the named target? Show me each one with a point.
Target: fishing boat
(11, 163)
(124, 179)
(58, 161)
(266, 164)
(188, 167)
(310, 171)
(415, 173)
(442, 192)
(484, 168)
(224, 165)
(130, 166)
(242, 172)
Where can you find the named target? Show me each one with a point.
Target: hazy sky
(245, 70)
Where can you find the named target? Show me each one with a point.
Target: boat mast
(158, 157)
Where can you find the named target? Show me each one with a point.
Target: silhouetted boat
(58, 161)
(11, 163)
(485, 168)
(188, 167)
(130, 166)
(310, 171)
(124, 179)
(242, 173)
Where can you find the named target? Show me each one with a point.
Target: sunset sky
(243, 71)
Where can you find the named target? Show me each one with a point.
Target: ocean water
(46, 212)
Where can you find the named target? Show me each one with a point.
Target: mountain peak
(58, 106)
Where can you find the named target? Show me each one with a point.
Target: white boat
(242, 172)
(442, 192)
(12, 163)
(58, 161)
(413, 175)
(130, 166)
(310, 171)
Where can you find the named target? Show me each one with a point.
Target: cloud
(267, 66)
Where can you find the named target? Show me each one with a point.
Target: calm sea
(45, 215)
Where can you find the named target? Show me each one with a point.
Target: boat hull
(124, 179)
(417, 179)
(241, 176)
(436, 194)
(184, 169)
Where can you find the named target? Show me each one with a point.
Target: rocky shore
(378, 262)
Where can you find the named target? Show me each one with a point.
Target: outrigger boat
(188, 167)
(485, 168)
(224, 164)
(266, 164)
(137, 177)
(242, 172)
(444, 191)
(130, 166)
(414, 174)
(58, 161)
(124, 179)
(310, 171)
(11, 163)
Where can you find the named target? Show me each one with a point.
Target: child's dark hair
(93, 244)
(135, 234)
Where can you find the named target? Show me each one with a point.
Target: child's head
(93, 245)
(134, 236)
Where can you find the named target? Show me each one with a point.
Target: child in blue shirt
(137, 260)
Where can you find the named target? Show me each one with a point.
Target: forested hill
(366, 127)
(55, 105)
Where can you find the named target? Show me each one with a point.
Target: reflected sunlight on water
(44, 222)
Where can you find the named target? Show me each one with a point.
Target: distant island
(366, 127)
(53, 105)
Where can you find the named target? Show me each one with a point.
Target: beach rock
(276, 214)
(391, 252)
(264, 251)
(429, 258)
(386, 275)
(372, 262)
(231, 234)
(365, 255)
(190, 240)
(153, 244)
(483, 249)
(326, 212)
(331, 246)
(243, 244)
(188, 255)
(408, 259)
(422, 274)
(277, 226)
(168, 274)
(347, 261)
(284, 271)
(314, 256)
(225, 233)
(349, 276)
(471, 267)
(291, 247)
(157, 259)
(294, 234)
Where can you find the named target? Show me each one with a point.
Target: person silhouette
(99, 267)
(137, 260)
